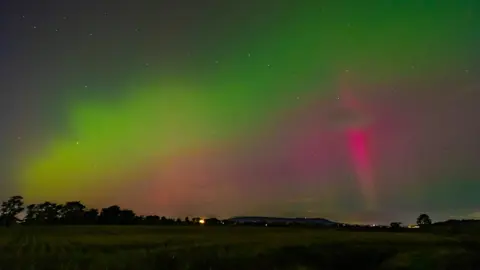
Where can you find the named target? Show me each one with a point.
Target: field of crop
(136, 247)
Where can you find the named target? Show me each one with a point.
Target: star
(56, 30)
(249, 55)
(19, 138)
(78, 142)
(91, 34)
(34, 27)
(86, 86)
(65, 17)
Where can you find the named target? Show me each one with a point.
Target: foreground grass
(95, 247)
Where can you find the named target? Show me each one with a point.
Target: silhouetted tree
(196, 220)
(163, 220)
(152, 220)
(212, 221)
(127, 217)
(169, 221)
(91, 216)
(395, 225)
(49, 213)
(423, 220)
(73, 213)
(139, 220)
(32, 214)
(44, 213)
(110, 215)
(187, 221)
(10, 209)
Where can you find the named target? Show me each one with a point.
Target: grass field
(136, 247)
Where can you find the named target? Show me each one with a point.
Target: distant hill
(272, 220)
(468, 226)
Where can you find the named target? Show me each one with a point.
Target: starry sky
(357, 111)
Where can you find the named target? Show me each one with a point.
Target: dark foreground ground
(262, 248)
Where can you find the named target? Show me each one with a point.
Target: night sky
(358, 111)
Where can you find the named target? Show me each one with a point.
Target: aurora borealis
(349, 110)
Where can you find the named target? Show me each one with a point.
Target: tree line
(76, 213)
